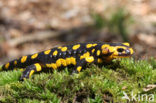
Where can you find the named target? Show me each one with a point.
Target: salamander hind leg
(30, 70)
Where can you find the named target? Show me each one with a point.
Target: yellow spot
(55, 52)
(68, 61)
(7, 65)
(105, 46)
(98, 52)
(112, 49)
(87, 54)
(38, 67)
(21, 69)
(127, 44)
(73, 60)
(131, 51)
(23, 59)
(76, 46)
(59, 47)
(0, 68)
(105, 51)
(89, 59)
(99, 60)
(93, 50)
(34, 56)
(58, 62)
(48, 65)
(52, 65)
(63, 62)
(31, 73)
(94, 44)
(124, 52)
(64, 49)
(79, 68)
(15, 62)
(47, 52)
(89, 45)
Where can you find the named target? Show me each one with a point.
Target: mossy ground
(94, 84)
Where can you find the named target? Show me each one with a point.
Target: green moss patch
(93, 85)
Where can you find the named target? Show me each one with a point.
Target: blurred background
(30, 26)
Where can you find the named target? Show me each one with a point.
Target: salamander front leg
(81, 63)
(30, 70)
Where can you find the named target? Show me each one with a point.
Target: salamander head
(116, 50)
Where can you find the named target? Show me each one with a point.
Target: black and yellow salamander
(77, 55)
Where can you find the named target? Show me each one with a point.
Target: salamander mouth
(124, 55)
(121, 56)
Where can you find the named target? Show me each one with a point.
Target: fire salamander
(77, 55)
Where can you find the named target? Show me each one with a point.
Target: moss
(94, 85)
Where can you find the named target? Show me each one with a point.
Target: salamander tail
(9, 66)
(22, 62)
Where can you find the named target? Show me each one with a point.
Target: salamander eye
(120, 49)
